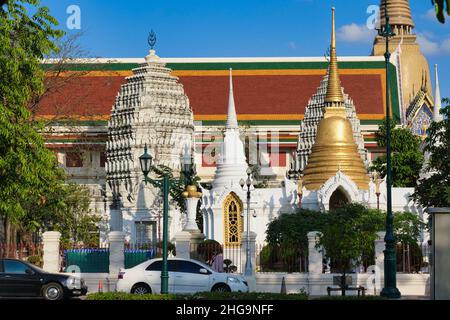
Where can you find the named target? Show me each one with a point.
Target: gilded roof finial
(334, 90)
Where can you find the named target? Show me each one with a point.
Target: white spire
(231, 117)
(437, 117)
(231, 165)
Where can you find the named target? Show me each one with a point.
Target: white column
(380, 246)
(315, 259)
(191, 214)
(51, 251)
(182, 244)
(116, 252)
(314, 255)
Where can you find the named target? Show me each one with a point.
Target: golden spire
(335, 148)
(334, 91)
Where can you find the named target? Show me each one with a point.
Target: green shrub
(198, 296)
(351, 298)
(37, 260)
(129, 296)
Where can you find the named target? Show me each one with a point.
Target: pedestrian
(217, 262)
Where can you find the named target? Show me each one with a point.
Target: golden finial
(334, 90)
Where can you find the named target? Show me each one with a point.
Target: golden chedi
(335, 148)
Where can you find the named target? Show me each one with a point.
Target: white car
(185, 276)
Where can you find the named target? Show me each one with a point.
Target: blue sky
(242, 28)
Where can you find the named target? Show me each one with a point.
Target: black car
(21, 279)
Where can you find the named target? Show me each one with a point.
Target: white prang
(232, 164)
(151, 108)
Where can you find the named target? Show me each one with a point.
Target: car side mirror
(203, 271)
(29, 271)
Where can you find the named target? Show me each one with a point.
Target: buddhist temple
(315, 116)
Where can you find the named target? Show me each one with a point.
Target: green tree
(292, 229)
(441, 6)
(407, 158)
(73, 218)
(348, 235)
(28, 171)
(434, 189)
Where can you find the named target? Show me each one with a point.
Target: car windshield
(204, 265)
(36, 268)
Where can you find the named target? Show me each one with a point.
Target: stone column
(314, 255)
(51, 251)
(183, 244)
(116, 241)
(315, 259)
(380, 246)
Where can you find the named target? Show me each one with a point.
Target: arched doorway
(338, 199)
(233, 223)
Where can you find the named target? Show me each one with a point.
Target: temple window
(74, 160)
(233, 223)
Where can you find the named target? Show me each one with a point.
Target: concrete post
(379, 254)
(51, 251)
(116, 241)
(315, 259)
(314, 255)
(183, 244)
(440, 254)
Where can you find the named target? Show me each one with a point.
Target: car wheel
(221, 287)
(53, 291)
(141, 288)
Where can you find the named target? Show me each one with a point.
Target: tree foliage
(434, 189)
(347, 233)
(441, 6)
(291, 230)
(407, 158)
(28, 171)
(177, 184)
(33, 193)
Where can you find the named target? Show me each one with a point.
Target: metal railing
(279, 259)
(221, 258)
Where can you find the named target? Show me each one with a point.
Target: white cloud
(432, 47)
(431, 15)
(356, 33)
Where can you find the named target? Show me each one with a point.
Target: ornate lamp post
(248, 262)
(145, 161)
(390, 264)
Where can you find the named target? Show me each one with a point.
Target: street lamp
(248, 262)
(390, 260)
(145, 161)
